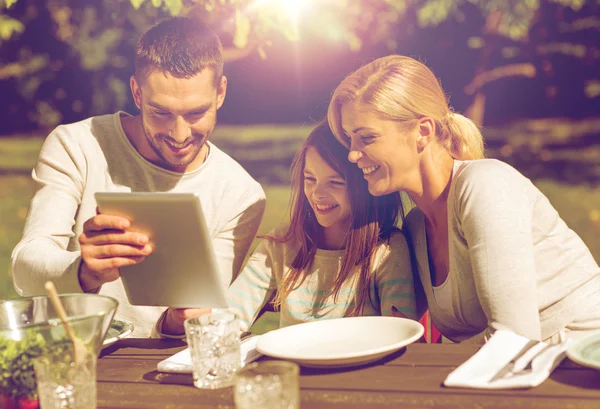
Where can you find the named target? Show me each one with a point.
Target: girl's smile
(324, 209)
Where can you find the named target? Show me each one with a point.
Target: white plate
(118, 330)
(586, 351)
(340, 342)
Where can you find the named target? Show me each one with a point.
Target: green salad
(17, 377)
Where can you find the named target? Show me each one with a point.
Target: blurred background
(527, 71)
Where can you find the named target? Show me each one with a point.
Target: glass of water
(268, 385)
(214, 342)
(64, 384)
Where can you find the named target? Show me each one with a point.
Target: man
(178, 87)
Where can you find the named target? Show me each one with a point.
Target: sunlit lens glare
(294, 7)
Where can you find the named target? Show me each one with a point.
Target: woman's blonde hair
(373, 220)
(403, 89)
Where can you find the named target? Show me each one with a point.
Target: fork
(522, 361)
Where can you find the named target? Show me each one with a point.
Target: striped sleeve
(254, 286)
(393, 278)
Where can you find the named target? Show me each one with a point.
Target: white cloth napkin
(498, 355)
(181, 362)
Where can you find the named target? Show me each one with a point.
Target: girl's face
(384, 150)
(326, 192)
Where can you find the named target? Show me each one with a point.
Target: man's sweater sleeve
(42, 253)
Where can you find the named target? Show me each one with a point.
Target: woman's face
(326, 192)
(384, 150)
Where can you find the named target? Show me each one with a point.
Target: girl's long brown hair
(373, 220)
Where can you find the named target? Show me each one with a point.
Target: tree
(88, 44)
(508, 31)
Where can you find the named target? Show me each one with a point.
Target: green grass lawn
(15, 193)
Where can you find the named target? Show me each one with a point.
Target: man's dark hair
(180, 46)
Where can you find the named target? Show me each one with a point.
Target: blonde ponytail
(461, 137)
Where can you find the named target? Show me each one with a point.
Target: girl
(490, 249)
(340, 255)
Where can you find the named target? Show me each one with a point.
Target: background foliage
(63, 60)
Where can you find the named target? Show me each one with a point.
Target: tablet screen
(182, 270)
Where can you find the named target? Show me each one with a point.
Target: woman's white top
(443, 296)
(512, 259)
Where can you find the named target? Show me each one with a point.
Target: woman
(340, 255)
(489, 248)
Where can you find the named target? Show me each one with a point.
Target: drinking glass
(214, 342)
(64, 384)
(268, 385)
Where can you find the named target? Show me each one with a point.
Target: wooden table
(411, 378)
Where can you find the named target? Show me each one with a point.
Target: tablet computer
(182, 270)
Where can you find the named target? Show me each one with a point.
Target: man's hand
(173, 322)
(106, 245)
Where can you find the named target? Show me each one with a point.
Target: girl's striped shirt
(392, 284)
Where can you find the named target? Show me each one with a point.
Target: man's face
(178, 116)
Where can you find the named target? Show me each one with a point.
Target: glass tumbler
(64, 384)
(268, 385)
(214, 342)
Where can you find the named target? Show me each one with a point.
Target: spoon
(79, 348)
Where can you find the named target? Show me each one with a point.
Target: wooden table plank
(184, 397)
(416, 354)
(426, 379)
(143, 346)
(411, 378)
(451, 355)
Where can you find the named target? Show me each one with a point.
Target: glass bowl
(30, 328)
(89, 315)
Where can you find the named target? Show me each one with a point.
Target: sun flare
(294, 7)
